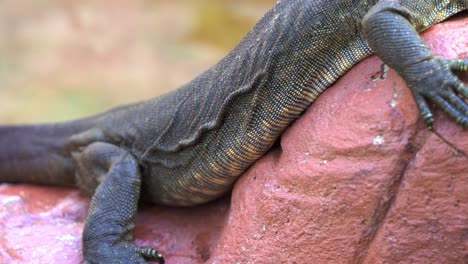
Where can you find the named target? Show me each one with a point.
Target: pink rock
(357, 178)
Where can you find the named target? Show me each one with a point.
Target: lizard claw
(123, 253)
(152, 254)
(436, 82)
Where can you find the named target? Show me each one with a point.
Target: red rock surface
(357, 179)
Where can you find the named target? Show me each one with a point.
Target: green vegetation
(218, 23)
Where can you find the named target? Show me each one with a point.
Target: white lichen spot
(393, 102)
(263, 227)
(378, 140)
(67, 237)
(9, 201)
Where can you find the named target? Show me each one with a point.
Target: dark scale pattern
(293, 54)
(189, 146)
(283, 71)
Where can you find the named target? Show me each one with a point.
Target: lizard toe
(152, 254)
(457, 64)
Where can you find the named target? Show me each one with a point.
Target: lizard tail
(37, 154)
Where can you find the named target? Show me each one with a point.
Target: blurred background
(65, 59)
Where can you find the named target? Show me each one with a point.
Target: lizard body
(189, 146)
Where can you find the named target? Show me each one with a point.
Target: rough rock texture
(357, 179)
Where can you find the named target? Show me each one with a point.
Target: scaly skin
(189, 146)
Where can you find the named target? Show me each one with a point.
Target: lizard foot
(107, 233)
(436, 82)
(123, 253)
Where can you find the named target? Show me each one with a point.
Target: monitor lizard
(189, 146)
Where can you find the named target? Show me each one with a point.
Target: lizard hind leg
(458, 92)
(108, 229)
(444, 88)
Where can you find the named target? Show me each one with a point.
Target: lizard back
(193, 143)
(219, 124)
